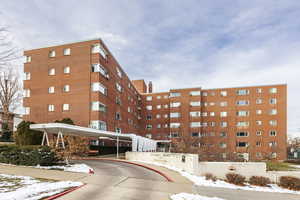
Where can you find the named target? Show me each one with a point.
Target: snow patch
(187, 196)
(30, 188)
(201, 181)
(83, 168)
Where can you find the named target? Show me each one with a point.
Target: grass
(279, 166)
(9, 184)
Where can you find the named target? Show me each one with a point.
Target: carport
(139, 143)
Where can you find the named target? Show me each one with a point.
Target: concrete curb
(128, 162)
(55, 196)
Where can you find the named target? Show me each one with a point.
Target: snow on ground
(70, 168)
(25, 187)
(296, 166)
(201, 181)
(187, 196)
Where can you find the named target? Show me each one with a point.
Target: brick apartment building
(83, 81)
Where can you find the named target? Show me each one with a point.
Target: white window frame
(67, 51)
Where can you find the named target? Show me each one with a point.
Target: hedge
(27, 155)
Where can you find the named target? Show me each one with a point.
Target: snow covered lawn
(25, 187)
(186, 196)
(70, 168)
(201, 181)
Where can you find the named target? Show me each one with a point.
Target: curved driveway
(117, 180)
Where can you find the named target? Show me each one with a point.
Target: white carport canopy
(139, 143)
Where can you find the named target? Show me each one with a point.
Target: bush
(259, 180)
(27, 155)
(289, 182)
(26, 136)
(209, 176)
(236, 179)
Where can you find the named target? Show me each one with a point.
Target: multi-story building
(83, 81)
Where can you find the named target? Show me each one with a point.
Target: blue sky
(177, 43)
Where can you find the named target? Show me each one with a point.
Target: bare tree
(7, 50)
(10, 92)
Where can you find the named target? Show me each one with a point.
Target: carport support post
(117, 147)
(45, 137)
(60, 136)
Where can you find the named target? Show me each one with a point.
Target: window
(204, 94)
(51, 72)
(272, 144)
(174, 125)
(67, 52)
(223, 124)
(67, 70)
(158, 126)
(204, 114)
(119, 87)
(26, 93)
(195, 134)
(223, 93)
(258, 143)
(149, 135)
(242, 102)
(97, 124)
(273, 133)
(98, 106)
(273, 90)
(148, 126)
(118, 130)
(242, 92)
(66, 107)
(149, 117)
(212, 94)
(51, 108)
(97, 48)
(99, 68)
(26, 110)
(242, 134)
(273, 112)
(158, 106)
(166, 97)
(175, 94)
(174, 134)
(174, 115)
(129, 109)
(195, 93)
(52, 54)
(98, 87)
(205, 104)
(258, 90)
(258, 154)
(223, 103)
(242, 113)
(66, 88)
(273, 122)
(258, 112)
(242, 144)
(27, 76)
(175, 104)
(158, 116)
(258, 122)
(258, 133)
(242, 124)
(149, 107)
(149, 98)
(118, 100)
(51, 90)
(27, 59)
(166, 106)
(166, 125)
(212, 124)
(212, 114)
(166, 115)
(118, 116)
(195, 124)
(119, 72)
(259, 101)
(212, 103)
(195, 114)
(204, 124)
(195, 103)
(273, 101)
(223, 145)
(223, 114)
(273, 155)
(223, 134)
